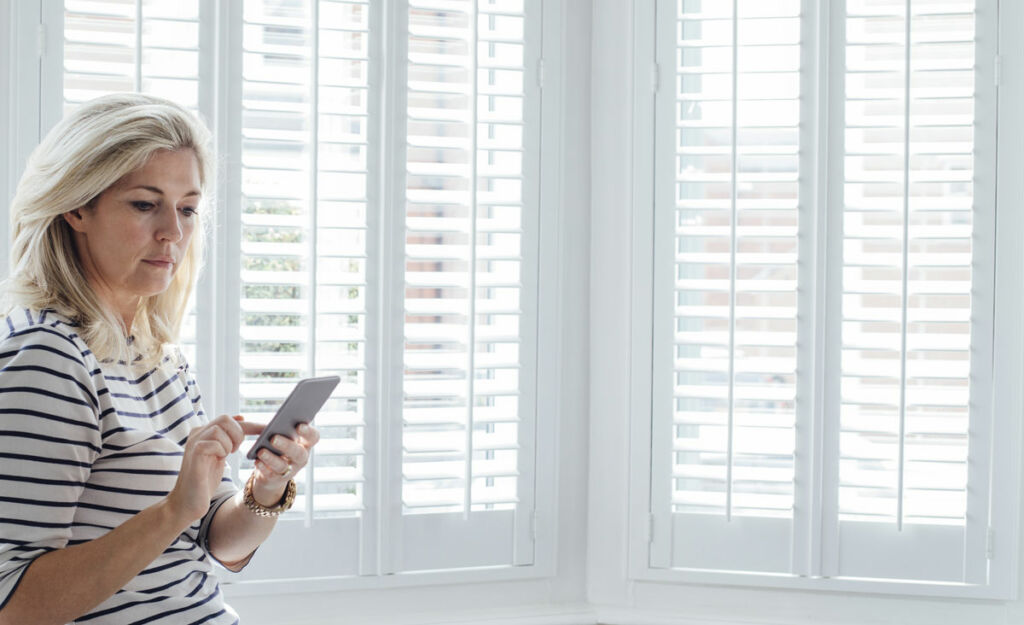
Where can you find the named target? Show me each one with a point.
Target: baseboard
(630, 616)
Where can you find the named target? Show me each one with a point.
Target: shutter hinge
(41, 39)
(997, 69)
(655, 77)
(650, 529)
(989, 544)
(540, 73)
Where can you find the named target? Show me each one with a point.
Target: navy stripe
(136, 381)
(49, 439)
(40, 502)
(179, 610)
(43, 415)
(56, 374)
(28, 523)
(155, 413)
(181, 420)
(149, 591)
(98, 526)
(118, 430)
(147, 397)
(46, 460)
(164, 567)
(211, 617)
(39, 391)
(127, 491)
(123, 606)
(141, 454)
(44, 347)
(137, 471)
(39, 480)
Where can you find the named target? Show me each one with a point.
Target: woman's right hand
(202, 464)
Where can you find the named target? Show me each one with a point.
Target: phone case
(300, 406)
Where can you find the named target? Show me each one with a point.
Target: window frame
(824, 35)
(35, 59)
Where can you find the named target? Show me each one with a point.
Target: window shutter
(303, 274)
(726, 284)
(130, 45)
(910, 350)
(470, 241)
(907, 309)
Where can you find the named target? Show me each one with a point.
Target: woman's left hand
(273, 472)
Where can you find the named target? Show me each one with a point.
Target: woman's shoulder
(45, 330)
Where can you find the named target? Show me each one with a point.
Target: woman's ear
(75, 219)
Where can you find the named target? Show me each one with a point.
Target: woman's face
(131, 239)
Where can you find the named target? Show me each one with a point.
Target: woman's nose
(170, 226)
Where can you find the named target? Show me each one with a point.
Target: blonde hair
(88, 151)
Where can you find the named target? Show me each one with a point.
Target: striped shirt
(85, 445)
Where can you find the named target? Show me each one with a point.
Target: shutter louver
(466, 214)
(303, 265)
(908, 258)
(730, 230)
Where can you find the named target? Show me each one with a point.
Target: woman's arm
(64, 584)
(236, 531)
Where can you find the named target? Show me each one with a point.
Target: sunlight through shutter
(467, 244)
(908, 266)
(728, 247)
(304, 168)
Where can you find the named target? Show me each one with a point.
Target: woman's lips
(163, 263)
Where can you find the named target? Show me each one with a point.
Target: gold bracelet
(259, 509)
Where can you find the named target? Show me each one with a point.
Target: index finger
(231, 427)
(250, 428)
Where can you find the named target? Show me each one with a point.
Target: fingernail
(277, 440)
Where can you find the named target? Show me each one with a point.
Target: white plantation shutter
(305, 126)
(726, 281)
(906, 305)
(131, 45)
(470, 246)
(912, 339)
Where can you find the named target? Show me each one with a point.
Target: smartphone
(300, 406)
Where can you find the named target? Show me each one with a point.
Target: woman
(114, 493)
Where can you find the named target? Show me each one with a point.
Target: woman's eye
(189, 211)
(144, 206)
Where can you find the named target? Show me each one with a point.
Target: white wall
(617, 599)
